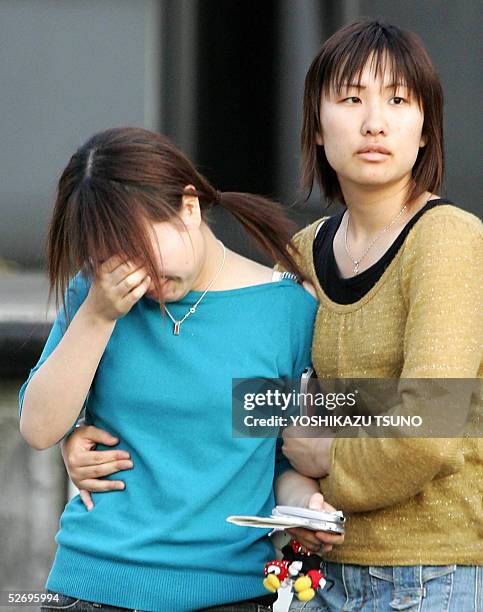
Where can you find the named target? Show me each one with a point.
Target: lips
(374, 148)
(373, 153)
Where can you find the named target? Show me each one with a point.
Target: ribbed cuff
(151, 589)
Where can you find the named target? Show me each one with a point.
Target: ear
(424, 141)
(318, 139)
(190, 212)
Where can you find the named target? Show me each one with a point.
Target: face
(180, 250)
(371, 134)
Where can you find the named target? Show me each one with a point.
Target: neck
(372, 210)
(212, 260)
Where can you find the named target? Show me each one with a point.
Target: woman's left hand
(309, 456)
(87, 467)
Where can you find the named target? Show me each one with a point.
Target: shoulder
(302, 246)
(445, 245)
(305, 237)
(241, 271)
(296, 301)
(444, 223)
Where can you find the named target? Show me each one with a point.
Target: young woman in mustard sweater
(398, 277)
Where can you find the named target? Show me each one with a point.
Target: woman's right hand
(116, 288)
(86, 466)
(317, 541)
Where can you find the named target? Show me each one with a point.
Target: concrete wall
(68, 69)
(33, 493)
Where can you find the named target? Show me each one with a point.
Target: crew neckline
(357, 278)
(353, 306)
(222, 293)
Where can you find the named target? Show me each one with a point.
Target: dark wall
(248, 86)
(451, 32)
(224, 78)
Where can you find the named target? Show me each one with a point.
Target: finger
(99, 436)
(131, 281)
(123, 271)
(101, 486)
(137, 293)
(309, 546)
(105, 469)
(306, 537)
(316, 502)
(329, 538)
(90, 458)
(86, 498)
(111, 264)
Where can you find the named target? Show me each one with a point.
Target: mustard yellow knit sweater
(408, 501)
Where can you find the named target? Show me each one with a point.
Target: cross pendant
(177, 325)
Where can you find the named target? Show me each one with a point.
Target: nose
(374, 122)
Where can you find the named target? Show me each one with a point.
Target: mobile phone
(305, 387)
(333, 522)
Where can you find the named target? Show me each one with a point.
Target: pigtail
(266, 223)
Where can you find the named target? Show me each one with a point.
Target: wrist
(95, 319)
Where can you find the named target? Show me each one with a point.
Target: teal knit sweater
(163, 543)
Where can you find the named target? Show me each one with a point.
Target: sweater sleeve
(441, 284)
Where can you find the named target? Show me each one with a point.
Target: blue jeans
(426, 588)
(63, 602)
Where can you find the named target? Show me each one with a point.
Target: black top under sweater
(350, 290)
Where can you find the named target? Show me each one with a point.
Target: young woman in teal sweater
(130, 222)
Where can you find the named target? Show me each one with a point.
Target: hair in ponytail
(266, 223)
(122, 179)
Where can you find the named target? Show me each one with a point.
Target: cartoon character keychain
(299, 568)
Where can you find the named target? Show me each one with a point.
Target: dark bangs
(100, 234)
(392, 53)
(118, 184)
(388, 54)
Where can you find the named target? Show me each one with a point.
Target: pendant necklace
(356, 262)
(177, 323)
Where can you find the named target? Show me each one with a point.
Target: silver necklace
(192, 310)
(356, 262)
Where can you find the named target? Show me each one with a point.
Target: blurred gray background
(222, 78)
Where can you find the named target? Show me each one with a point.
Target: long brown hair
(342, 60)
(122, 178)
